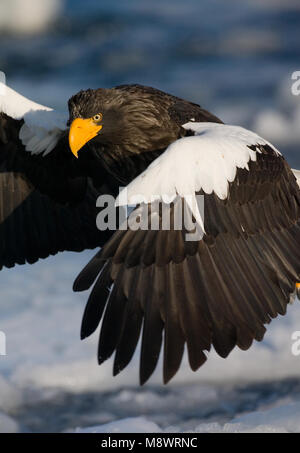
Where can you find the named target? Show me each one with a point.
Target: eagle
(216, 280)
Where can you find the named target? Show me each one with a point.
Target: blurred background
(235, 58)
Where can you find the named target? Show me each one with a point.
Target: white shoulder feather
(42, 126)
(208, 161)
(297, 174)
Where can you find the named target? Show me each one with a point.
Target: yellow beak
(82, 131)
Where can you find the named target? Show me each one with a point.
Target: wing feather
(47, 204)
(220, 290)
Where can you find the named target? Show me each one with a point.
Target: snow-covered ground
(50, 381)
(282, 419)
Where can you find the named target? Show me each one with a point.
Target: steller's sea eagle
(220, 289)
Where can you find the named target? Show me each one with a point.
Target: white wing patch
(297, 174)
(208, 161)
(42, 130)
(42, 126)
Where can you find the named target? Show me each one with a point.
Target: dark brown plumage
(47, 204)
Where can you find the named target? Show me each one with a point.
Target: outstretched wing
(46, 203)
(220, 289)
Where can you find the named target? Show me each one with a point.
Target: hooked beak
(82, 131)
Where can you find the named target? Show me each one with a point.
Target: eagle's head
(130, 119)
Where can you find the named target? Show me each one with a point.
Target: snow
(282, 419)
(126, 425)
(32, 16)
(280, 123)
(48, 366)
(10, 396)
(278, 127)
(285, 418)
(8, 425)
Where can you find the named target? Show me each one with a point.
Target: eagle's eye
(97, 117)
